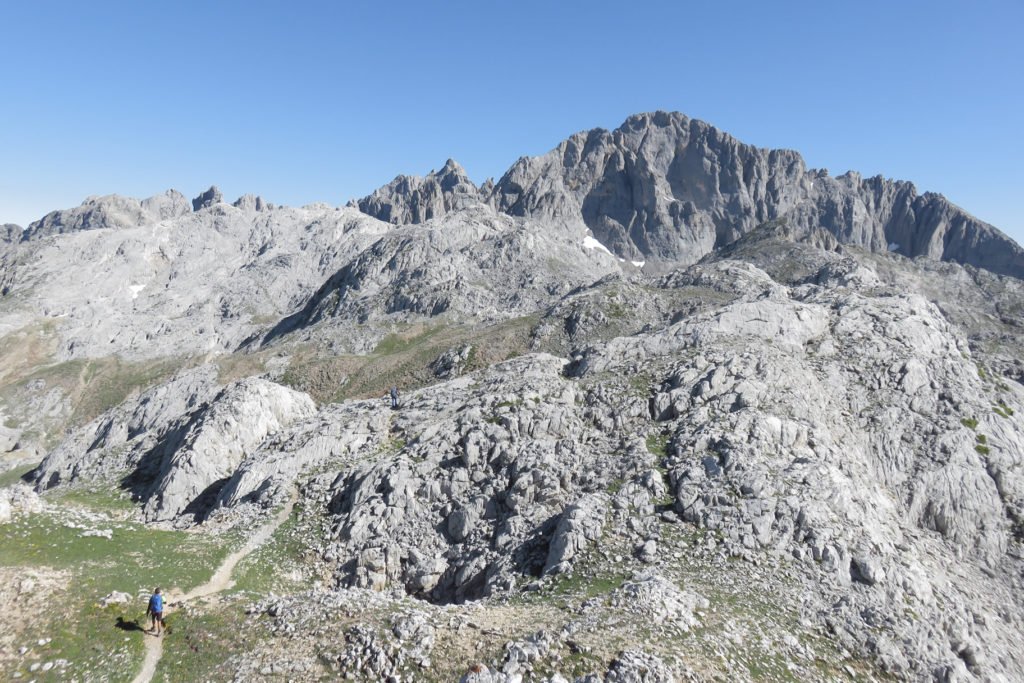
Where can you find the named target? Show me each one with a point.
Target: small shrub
(984, 450)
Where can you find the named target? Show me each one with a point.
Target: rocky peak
(667, 189)
(10, 232)
(661, 187)
(412, 199)
(207, 199)
(252, 203)
(109, 211)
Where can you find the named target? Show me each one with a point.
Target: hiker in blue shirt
(156, 611)
(394, 397)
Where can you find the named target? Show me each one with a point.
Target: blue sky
(325, 101)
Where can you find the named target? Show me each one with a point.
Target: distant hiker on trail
(156, 611)
(394, 397)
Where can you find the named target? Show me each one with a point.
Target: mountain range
(672, 407)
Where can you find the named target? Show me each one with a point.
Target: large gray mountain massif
(669, 189)
(671, 408)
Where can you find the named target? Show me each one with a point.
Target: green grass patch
(134, 557)
(580, 585)
(509, 404)
(200, 645)
(969, 422)
(278, 566)
(99, 644)
(395, 342)
(13, 476)
(1002, 410)
(134, 560)
(657, 444)
(615, 310)
(403, 359)
(100, 498)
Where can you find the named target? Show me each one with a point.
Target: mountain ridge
(661, 188)
(695, 188)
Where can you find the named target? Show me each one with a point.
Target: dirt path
(221, 580)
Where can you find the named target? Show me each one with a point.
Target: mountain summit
(667, 189)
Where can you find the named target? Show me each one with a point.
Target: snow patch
(893, 246)
(638, 264)
(591, 243)
(135, 289)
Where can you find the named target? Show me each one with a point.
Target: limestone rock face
(473, 263)
(252, 203)
(664, 189)
(9, 232)
(661, 186)
(175, 446)
(114, 443)
(211, 197)
(109, 211)
(581, 524)
(197, 458)
(412, 199)
(668, 188)
(195, 283)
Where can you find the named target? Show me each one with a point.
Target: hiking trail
(221, 580)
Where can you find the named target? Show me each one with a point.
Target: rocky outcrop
(109, 211)
(252, 204)
(661, 187)
(18, 499)
(474, 263)
(198, 457)
(205, 200)
(666, 189)
(10, 232)
(114, 444)
(197, 283)
(412, 199)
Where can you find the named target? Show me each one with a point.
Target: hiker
(156, 611)
(394, 397)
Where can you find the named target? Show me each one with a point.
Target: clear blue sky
(325, 101)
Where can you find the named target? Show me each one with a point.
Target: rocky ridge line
(666, 189)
